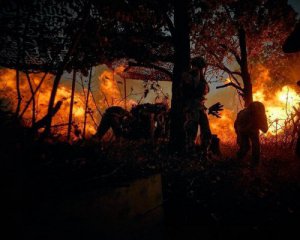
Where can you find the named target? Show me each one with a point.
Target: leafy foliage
(266, 23)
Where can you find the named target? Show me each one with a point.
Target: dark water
(142, 210)
(133, 211)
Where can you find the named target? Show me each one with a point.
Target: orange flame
(279, 106)
(110, 91)
(60, 120)
(223, 126)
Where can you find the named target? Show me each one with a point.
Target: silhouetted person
(247, 125)
(194, 89)
(141, 122)
(116, 118)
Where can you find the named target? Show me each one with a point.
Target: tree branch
(237, 57)
(226, 69)
(231, 84)
(169, 23)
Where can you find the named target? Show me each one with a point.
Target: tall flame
(223, 126)
(111, 92)
(279, 104)
(110, 95)
(60, 120)
(279, 108)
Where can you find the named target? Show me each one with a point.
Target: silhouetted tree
(237, 35)
(153, 34)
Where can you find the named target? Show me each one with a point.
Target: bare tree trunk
(33, 99)
(71, 105)
(61, 68)
(87, 102)
(33, 95)
(181, 64)
(19, 97)
(20, 56)
(247, 91)
(52, 99)
(41, 123)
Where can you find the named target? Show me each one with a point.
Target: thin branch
(71, 105)
(229, 72)
(234, 78)
(230, 84)
(33, 95)
(226, 69)
(94, 100)
(233, 52)
(170, 24)
(87, 101)
(93, 119)
(33, 100)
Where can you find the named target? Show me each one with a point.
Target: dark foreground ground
(133, 190)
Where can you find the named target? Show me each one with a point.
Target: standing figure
(247, 125)
(194, 89)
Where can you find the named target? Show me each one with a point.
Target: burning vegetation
(97, 94)
(35, 99)
(282, 107)
(110, 92)
(281, 104)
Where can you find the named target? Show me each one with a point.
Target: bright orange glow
(60, 120)
(279, 106)
(110, 91)
(223, 126)
(259, 96)
(279, 103)
(110, 95)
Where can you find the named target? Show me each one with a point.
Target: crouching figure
(247, 125)
(143, 121)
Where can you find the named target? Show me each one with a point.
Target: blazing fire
(223, 126)
(109, 88)
(111, 92)
(279, 106)
(110, 95)
(60, 120)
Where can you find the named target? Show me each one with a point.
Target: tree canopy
(159, 35)
(219, 36)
